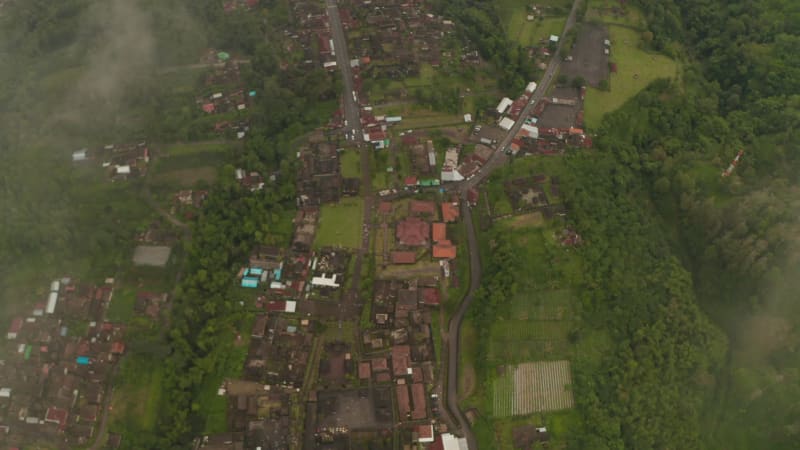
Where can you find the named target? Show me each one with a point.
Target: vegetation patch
(533, 387)
(636, 68)
(350, 161)
(340, 224)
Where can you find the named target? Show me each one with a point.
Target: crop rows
(533, 387)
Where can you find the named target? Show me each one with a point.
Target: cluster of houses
(319, 178)
(120, 162)
(56, 370)
(421, 232)
(222, 102)
(399, 37)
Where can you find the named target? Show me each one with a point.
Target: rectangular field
(533, 387)
(340, 224)
(351, 164)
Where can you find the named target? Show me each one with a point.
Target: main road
(497, 159)
(353, 132)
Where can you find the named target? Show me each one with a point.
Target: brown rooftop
(413, 232)
(403, 257)
(449, 212)
(422, 207)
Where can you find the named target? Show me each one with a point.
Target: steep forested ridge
(666, 233)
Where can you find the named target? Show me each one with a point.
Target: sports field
(340, 224)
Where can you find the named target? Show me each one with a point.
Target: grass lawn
(599, 10)
(136, 398)
(636, 68)
(121, 307)
(231, 361)
(513, 14)
(340, 224)
(351, 164)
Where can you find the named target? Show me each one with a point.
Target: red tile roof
(413, 231)
(380, 364)
(16, 325)
(439, 232)
(444, 249)
(364, 371)
(56, 415)
(411, 181)
(431, 296)
(422, 207)
(449, 212)
(401, 358)
(401, 257)
(418, 394)
(118, 348)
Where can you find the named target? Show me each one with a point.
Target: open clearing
(340, 224)
(351, 164)
(533, 219)
(187, 177)
(636, 69)
(533, 387)
(513, 14)
(151, 255)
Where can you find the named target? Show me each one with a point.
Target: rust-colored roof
(401, 355)
(364, 371)
(380, 364)
(385, 207)
(444, 249)
(431, 296)
(422, 207)
(413, 231)
(418, 394)
(401, 257)
(449, 212)
(439, 232)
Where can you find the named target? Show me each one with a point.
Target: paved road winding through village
(353, 131)
(497, 159)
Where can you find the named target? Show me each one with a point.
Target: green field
(136, 396)
(340, 224)
(121, 307)
(350, 162)
(513, 14)
(636, 69)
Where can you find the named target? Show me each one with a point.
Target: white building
(530, 131)
(531, 87)
(503, 105)
(80, 155)
(467, 118)
(324, 281)
(506, 123)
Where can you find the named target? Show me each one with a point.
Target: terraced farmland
(533, 387)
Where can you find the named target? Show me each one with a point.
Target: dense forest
(670, 241)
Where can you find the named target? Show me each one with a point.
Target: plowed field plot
(533, 387)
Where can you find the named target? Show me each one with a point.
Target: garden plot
(533, 387)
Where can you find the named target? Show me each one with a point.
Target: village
(344, 342)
